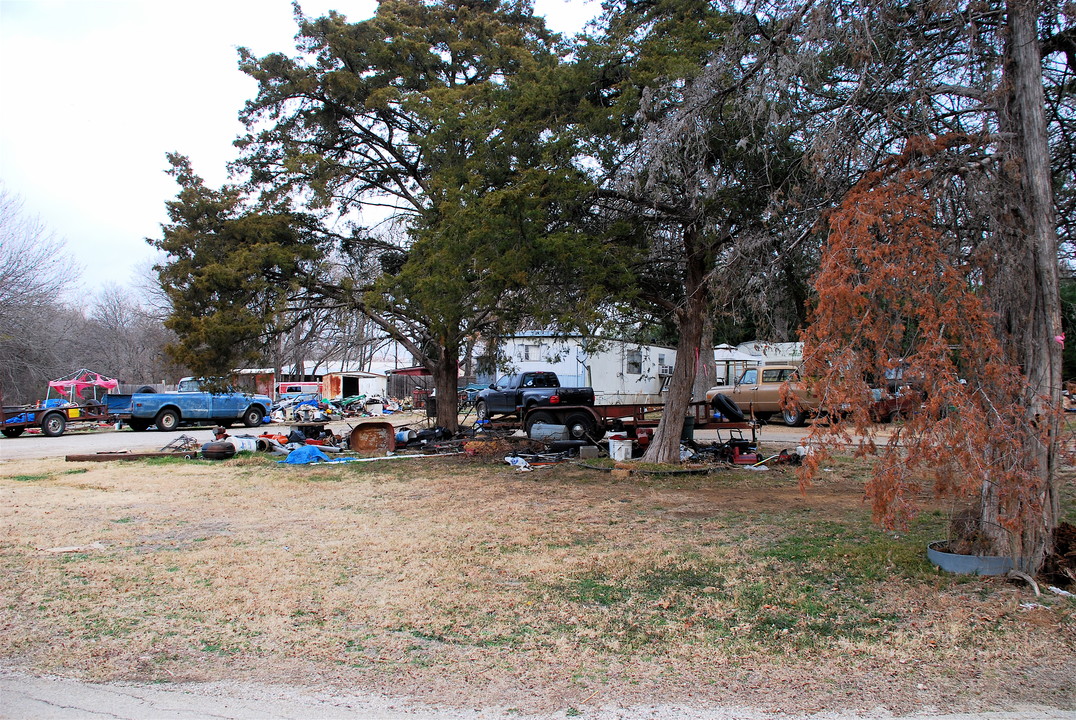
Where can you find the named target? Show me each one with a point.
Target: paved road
(86, 443)
(25, 696)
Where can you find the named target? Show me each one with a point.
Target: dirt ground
(466, 584)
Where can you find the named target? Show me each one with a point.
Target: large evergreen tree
(441, 117)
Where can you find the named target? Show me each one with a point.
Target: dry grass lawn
(465, 583)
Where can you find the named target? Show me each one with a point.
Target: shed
(349, 384)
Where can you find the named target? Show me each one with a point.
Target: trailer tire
(54, 424)
(581, 426)
(138, 424)
(253, 416)
(538, 417)
(13, 432)
(167, 420)
(724, 405)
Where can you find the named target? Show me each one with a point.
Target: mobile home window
(633, 362)
(531, 353)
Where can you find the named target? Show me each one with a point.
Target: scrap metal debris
(182, 443)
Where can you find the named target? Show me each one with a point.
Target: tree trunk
(1032, 317)
(445, 379)
(706, 372)
(665, 446)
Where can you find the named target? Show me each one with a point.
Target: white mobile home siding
(618, 371)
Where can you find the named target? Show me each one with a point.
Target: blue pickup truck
(189, 404)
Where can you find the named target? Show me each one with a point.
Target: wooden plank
(109, 456)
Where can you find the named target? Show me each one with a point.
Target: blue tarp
(305, 455)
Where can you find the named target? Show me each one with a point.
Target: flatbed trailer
(52, 421)
(592, 422)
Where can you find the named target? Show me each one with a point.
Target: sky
(94, 93)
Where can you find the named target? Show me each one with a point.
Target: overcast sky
(94, 93)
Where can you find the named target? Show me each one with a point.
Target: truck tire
(138, 424)
(581, 426)
(794, 417)
(253, 416)
(54, 424)
(167, 420)
(481, 411)
(146, 389)
(539, 417)
(13, 432)
(724, 405)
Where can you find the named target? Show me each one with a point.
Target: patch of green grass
(693, 577)
(168, 461)
(593, 588)
(30, 478)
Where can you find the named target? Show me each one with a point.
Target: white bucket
(375, 409)
(620, 449)
(244, 444)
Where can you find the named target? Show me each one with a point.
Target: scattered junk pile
(301, 433)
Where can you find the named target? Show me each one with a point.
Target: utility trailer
(52, 421)
(636, 420)
(76, 401)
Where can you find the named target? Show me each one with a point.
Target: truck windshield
(188, 385)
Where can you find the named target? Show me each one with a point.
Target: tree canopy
(452, 170)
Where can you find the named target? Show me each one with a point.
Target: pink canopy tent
(82, 384)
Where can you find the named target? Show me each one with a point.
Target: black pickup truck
(517, 395)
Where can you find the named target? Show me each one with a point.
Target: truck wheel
(581, 426)
(54, 424)
(539, 417)
(167, 420)
(12, 432)
(252, 417)
(794, 417)
(138, 424)
(480, 410)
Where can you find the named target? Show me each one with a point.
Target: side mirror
(493, 386)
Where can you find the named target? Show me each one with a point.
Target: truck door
(495, 400)
(226, 405)
(768, 392)
(745, 391)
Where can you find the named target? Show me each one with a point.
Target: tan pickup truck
(758, 392)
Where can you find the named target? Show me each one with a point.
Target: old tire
(54, 424)
(794, 417)
(724, 405)
(253, 417)
(138, 424)
(581, 426)
(167, 420)
(146, 389)
(13, 432)
(539, 417)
